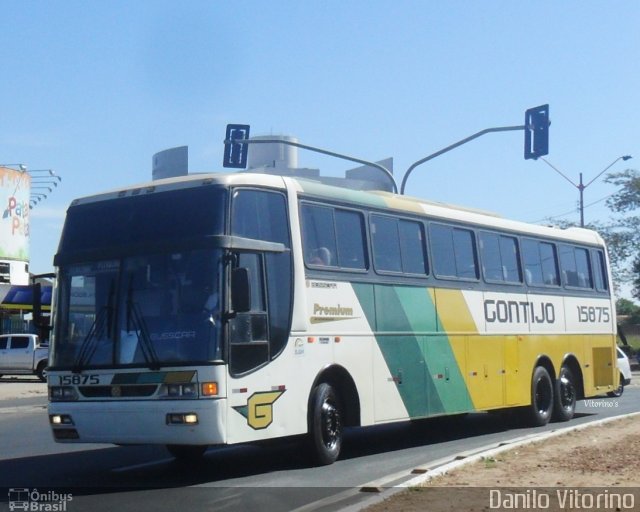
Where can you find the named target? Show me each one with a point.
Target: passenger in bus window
(321, 256)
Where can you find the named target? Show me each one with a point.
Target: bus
(217, 309)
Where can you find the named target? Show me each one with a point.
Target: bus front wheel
(565, 396)
(325, 424)
(541, 408)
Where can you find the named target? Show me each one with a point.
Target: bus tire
(325, 424)
(187, 452)
(564, 403)
(541, 408)
(41, 371)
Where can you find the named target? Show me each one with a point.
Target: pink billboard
(15, 189)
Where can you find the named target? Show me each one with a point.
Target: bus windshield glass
(137, 307)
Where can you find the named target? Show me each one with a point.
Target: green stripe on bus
(421, 361)
(440, 361)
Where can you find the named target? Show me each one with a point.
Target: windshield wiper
(140, 326)
(90, 343)
(102, 322)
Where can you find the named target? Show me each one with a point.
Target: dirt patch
(603, 461)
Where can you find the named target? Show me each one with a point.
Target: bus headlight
(60, 419)
(189, 390)
(62, 394)
(181, 391)
(182, 418)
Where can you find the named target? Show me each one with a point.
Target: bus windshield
(144, 311)
(139, 282)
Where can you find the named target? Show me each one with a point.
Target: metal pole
(455, 145)
(581, 188)
(318, 150)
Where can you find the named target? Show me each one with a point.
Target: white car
(625, 373)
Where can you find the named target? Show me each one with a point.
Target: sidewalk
(21, 386)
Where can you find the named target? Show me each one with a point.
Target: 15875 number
(79, 380)
(593, 314)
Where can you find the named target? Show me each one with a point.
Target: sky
(92, 90)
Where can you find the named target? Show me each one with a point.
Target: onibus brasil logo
(38, 501)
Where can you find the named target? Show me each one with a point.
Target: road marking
(22, 409)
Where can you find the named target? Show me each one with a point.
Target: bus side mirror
(240, 290)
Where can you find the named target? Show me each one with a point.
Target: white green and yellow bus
(217, 309)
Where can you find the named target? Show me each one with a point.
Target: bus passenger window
(321, 256)
(412, 247)
(540, 263)
(350, 237)
(549, 264)
(464, 247)
(454, 252)
(386, 243)
(599, 271)
(318, 235)
(576, 266)
(500, 260)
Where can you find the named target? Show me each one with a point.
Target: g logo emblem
(259, 409)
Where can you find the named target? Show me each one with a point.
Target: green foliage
(626, 307)
(628, 197)
(635, 280)
(622, 231)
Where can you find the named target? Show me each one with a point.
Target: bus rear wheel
(187, 452)
(565, 396)
(325, 424)
(539, 412)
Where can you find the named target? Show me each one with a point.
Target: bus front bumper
(194, 422)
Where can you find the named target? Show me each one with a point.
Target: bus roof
(376, 199)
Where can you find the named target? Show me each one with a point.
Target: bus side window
(318, 235)
(333, 237)
(576, 267)
(599, 270)
(386, 243)
(350, 238)
(540, 263)
(454, 252)
(412, 247)
(262, 215)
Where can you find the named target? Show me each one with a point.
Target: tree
(626, 307)
(635, 271)
(623, 234)
(622, 231)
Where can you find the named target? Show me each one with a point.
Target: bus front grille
(126, 391)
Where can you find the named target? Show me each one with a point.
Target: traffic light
(536, 132)
(235, 154)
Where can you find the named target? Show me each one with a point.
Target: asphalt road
(266, 478)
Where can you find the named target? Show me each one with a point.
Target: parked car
(23, 354)
(625, 373)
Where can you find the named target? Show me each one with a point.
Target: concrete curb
(443, 466)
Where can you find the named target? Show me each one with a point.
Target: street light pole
(581, 188)
(580, 185)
